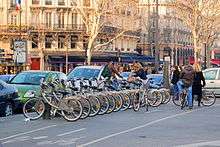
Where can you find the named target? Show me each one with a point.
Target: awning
(131, 57)
(103, 57)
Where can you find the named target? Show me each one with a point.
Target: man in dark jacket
(186, 80)
(175, 79)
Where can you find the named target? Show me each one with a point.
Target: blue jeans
(189, 95)
(176, 91)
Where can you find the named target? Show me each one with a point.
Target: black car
(8, 96)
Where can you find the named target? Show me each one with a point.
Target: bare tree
(199, 16)
(103, 16)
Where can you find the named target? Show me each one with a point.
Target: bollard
(46, 114)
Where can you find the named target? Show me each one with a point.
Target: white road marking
(153, 111)
(45, 142)
(67, 133)
(209, 143)
(22, 138)
(19, 134)
(139, 127)
(40, 137)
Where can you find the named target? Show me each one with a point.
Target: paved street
(165, 126)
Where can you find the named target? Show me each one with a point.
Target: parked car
(212, 78)
(8, 96)
(28, 81)
(86, 72)
(156, 80)
(6, 78)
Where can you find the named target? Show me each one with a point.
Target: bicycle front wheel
(33, 109)
(208, 98)
(136, 102)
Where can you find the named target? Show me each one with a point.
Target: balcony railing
(57, 27)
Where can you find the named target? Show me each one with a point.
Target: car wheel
(8, 109)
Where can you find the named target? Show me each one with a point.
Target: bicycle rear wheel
(176, 100)
(73, 111)
(34, 108)
(208, 98)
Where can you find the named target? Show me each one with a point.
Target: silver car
(212, 77)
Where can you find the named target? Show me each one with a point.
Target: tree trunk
(41, 60)
(89, 56)
(195, 44)
(89, 50)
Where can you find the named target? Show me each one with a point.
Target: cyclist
(186, 81)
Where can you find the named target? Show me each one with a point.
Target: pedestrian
(198, 83)
(175, 79)
(186, 81)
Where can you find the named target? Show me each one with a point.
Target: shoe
(199, 105)
(190, 108)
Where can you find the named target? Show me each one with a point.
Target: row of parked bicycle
(80, 98)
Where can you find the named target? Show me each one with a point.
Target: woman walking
(198, 83)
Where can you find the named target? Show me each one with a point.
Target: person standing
(175, 79)
(198, 83)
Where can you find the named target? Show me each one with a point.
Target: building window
(74, 19)
(35, 41)
(122, 49)
(128, 49)
(86, 3)
(74, 40)
(48, 41)
(13, 20)
(61, 20)
(48, 2)
(61, 40)
(61, 2)
(48, 19)
(34, 18)
(128, 13)
(13, 3)
(35, 2)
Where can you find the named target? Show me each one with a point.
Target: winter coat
(197, 85)
(141, 74)
(187, 75)
(176, 77)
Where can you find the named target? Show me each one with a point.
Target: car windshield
(84, 73)
(29, 78)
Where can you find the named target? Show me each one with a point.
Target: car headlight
(29, 94)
